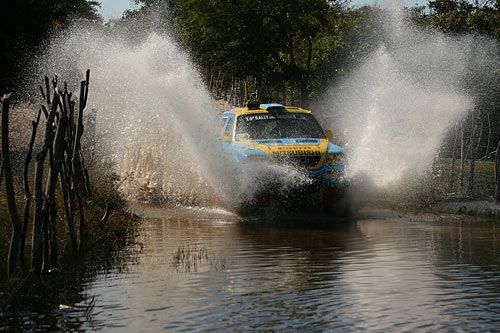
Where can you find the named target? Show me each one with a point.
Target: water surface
(202, 270)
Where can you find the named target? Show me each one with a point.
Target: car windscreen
(278, 126)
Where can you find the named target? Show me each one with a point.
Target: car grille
(299, 161)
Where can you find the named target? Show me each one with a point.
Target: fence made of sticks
(59, 168)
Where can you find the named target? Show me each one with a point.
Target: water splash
(154, 116)
(395, 109)
(155, 119)
(158, 123)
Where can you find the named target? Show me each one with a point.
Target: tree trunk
(1, 170)
(9, 189)
(474, 153)
(462, 158)
(304, 84)
(245, 93)
(497, 173)
(472, 157)
(451, 184)
(211, 80)
(488, 142)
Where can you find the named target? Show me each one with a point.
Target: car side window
(228, 132)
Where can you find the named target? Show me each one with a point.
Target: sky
(115, 8)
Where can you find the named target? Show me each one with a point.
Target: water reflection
(59, 301)
(206, 270)
(427, 276)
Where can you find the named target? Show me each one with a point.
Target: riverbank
(460, 207)
(110, 234)
(436, 192)
(108, 245)
(473, 207)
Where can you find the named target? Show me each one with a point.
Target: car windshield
(278, 126)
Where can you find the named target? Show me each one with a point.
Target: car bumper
(329, 177)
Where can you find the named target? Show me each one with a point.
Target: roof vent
(253, 105)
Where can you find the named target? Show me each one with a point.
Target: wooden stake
(9, 189)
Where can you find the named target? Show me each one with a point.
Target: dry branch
(37, 239)
(9, 189)
(26, 187)
(58, 163)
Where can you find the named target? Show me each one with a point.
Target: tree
(461, 16)
(273, 41)
(25, 25)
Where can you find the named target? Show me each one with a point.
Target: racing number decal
(228, 131)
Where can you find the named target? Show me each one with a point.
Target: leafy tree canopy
(26, 23)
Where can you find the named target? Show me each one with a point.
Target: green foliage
(296, 46)
(354, 34)
(292, 46)
(273, 41)
(461, 16)
(26, 24)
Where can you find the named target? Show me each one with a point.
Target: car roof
(263, 109)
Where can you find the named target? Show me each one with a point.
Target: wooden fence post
(26, 187)
(9, 189)
(78, 176)
(37, 239)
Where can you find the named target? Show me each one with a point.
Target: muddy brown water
(209, 270)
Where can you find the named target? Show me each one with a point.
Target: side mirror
(329, 135)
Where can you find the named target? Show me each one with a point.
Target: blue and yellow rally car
(285, 135)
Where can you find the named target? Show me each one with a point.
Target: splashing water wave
(158, 123)
(156, 120)
(395, 109)
(154, 116)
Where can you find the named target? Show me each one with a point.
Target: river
(209, 270)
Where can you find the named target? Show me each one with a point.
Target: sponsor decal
(255, 117)
(294, 148)
(296, 152)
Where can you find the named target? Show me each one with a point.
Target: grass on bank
(27, 300)
(104, 240)
(437, 185)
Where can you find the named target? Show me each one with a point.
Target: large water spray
(157, 124)
(395, 109)
(156, 121)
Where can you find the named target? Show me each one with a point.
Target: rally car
(285, 135)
